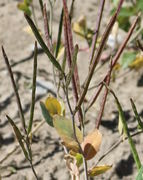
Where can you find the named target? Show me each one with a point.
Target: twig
(98, 121)
(95, 37)
(114, 61)
(9, 153)
(69, 51)
(97, 56)
(123, 45)
(116, 145)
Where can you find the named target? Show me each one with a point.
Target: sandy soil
(47, 152)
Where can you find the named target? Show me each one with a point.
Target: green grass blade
(42, 43)
(59, 34)
(18, 136)
(33, 89)
(140, 174)
(140, 123)
(41, 5)
(126, 130)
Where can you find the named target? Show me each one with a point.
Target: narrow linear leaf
(71, 71)
(33, 89)
(140, 174)
(97, 170)
(64, 128)
(140, 123)
(126, 130)
(18, 136)
(46, 114)
(59, 34)
(42, 43)
(41, 5)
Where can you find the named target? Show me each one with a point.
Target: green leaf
(140, 174)
(42, 43)
(127, 59)
(79, 159)
(71, 71)
(97, 170)
(59, 34)
(23, 7)
(139, 5)
(46, 114)
(140, 123)
(18, 136)
(64, 128)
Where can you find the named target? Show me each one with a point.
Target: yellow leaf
(91, 144)
(53, 106)
(78, 29)
(97, 170)
(117, 67)
(137, 63)
(80, 26)
(61, 52)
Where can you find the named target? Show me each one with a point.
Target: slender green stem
(33, 89)
(140, 123)
(126, 131)
(34, 172)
